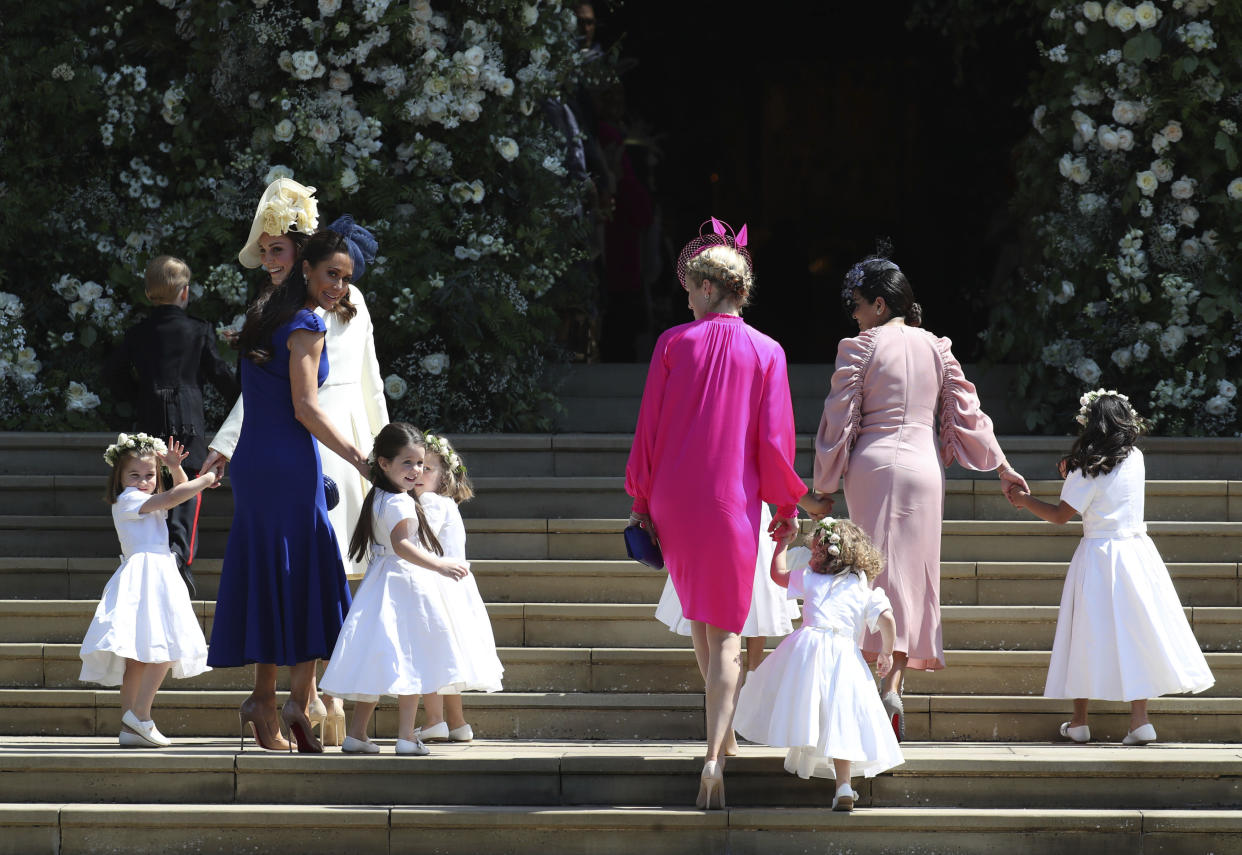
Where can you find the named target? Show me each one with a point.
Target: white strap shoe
(845, 798)
(359, 746)
(413, 748)
(146, 730)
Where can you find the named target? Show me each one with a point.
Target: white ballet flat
(1079, 734)
(844, 799)
(435, 733)
(359, 746)
(465, 733)
(146, 730)
(1141, 736)
(414, 748)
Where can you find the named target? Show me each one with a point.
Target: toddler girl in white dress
(814, 694)
(144, 625)
(398, 638)
(1121, 632)
(441, 488)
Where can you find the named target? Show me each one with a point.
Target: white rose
(1173, 132)
(1125, 138)
(1191, 248)
(1217, 405)
(277, 171)
(1124, 112)
(1159, 143)
(435, 363)
(1226, 389)
(470, 111)
(1183, 188)
(1145, 208)
(1122, 357)
(80, 399)
(1141, 350)
(1171, 340)
(349, 180)
(1147, 182)
(1167, 231)
(476, 191)
(1162, 169)
(283, 132)
(1079, 173)
(1084, 125)
(1108, 138)
(1086, 370)
(1146, 15)
(475, 56)
(1190, 215)
(340, 80)
(507, 147)
(1125, 19)
(1235, 189)
(328, 8)
(505, 87)
(395, 387)
(1067, 162)
(530, 14)
(1092, 11)
(1066, 292)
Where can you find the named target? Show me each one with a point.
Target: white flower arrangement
(140, 442)
(826, 528)
(1091, 397)
(441, 446)
(395, 387)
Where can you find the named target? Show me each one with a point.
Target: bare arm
(1058, 514)
(305, 348)
(780, 569)
(405, 543)
(181, 492)
(888, 635)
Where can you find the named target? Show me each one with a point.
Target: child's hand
(783, 529)
(1061, 467)
(453, 568)
(883, 664)
(175, 454)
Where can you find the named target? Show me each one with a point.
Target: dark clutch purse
(640, 547)
(331, 494)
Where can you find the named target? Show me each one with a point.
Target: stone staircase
(597, 734)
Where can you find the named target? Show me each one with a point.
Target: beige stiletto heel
(711, 782)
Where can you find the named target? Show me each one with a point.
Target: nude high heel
(334, 723)
(711, 783)
(896, 712)
(300, 728)
(317, 714)
(252, 713)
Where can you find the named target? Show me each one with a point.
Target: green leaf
(1142, 47)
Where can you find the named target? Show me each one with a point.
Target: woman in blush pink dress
(715, 439)
(892, 386)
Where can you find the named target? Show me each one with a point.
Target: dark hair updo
(278, 305)
(877, 276)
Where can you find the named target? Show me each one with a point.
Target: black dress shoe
(186, 574)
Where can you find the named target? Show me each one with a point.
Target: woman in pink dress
(715, 438)
(893, 385)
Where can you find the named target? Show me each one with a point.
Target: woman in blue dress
(283, 593)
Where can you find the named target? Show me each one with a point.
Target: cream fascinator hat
(286, 206)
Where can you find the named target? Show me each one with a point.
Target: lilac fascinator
(362, 244)
(721, 234)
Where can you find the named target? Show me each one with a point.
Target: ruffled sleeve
(965, 430)
(779, 483)
(838, 426)
(877, 604)
(305, 319)
(638, 474)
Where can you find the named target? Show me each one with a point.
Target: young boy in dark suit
(161, 368)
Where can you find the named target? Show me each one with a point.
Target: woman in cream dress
(353, 394)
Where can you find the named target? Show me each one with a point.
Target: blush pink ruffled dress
(715, 438)
(891, 386)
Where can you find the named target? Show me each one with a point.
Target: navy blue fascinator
(362, 244)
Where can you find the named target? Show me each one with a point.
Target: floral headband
(826, 528)
(139, 443)
(854, 278)
(1094, 395)
(441, 446)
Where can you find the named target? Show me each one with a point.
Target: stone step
(153, 829)
(604, 497)
(620, 715)
(33, 665)
(625, 581)
(605, 454)
(652, 772)
(594, 539)
(1217, 628)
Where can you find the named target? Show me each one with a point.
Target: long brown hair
(388, 444)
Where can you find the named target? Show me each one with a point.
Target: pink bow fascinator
(720, 234)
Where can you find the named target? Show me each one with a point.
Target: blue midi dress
(283, 593)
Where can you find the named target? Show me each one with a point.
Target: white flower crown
(139, 442)
(827, 527)
(441, 446)
(1091, 397)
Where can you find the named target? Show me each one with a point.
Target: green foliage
(149, 128)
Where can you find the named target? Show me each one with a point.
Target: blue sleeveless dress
(283, 594)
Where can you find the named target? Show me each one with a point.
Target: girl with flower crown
(1121, 632)
(145, 624)
(441, 487)
(814, 693)
(352, 395)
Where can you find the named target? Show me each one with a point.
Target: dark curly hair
(1112, 429)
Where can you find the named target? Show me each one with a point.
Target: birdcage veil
(720, 234)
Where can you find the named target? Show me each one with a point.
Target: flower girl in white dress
(440, 489)
(1121, 632)
(144, 625)
(814, 694)
(398, 638)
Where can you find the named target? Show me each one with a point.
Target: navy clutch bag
(331, 494)
(640, 547)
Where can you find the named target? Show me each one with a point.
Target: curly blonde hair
(857, 553)
(726, 267)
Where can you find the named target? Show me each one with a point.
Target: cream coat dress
(353, 398)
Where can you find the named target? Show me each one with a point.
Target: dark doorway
(824, 126)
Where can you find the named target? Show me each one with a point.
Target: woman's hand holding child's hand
(883, 664)
(453, 568)
(783, 530)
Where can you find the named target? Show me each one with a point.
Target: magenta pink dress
(715, 437)
(891, 386)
